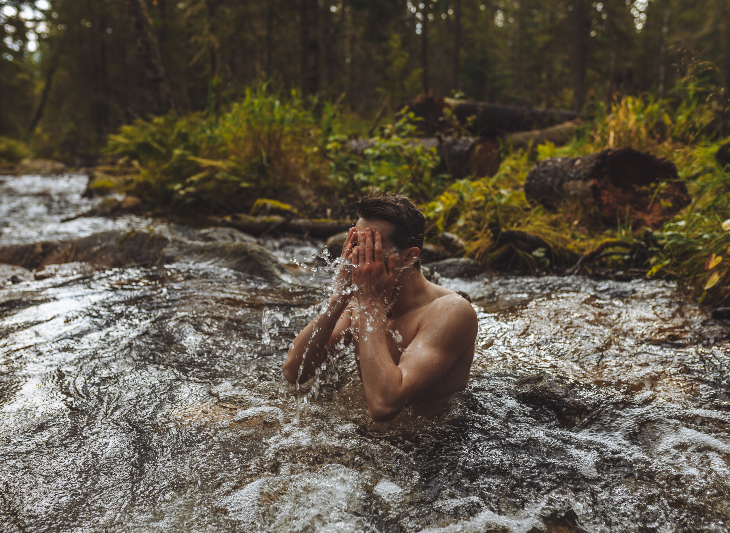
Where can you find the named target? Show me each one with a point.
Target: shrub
(12, 151)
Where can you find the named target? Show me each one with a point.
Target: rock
(335, 243)
(68, 269)
(113, 207)
(431, 253)
(14, 274)
(243, 257)
(723, 155)
(131, 204)
(452, 243)
(267, 207)
(456, 268)
(222, 235)
(563, 399)
(40, 166)
(721, 313)
(144, 248)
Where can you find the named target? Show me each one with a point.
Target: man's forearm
(309, 349)
(382, 379)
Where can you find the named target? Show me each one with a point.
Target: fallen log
(483, 119)
(459, 156)
(558, 135)
(266, 225)
(616, 184)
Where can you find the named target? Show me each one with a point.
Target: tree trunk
(482, 119)
(579, 54)
(726, 59)
(149, 51)
(269, 36)
(46, 90)
(457, 44)
(424, 50)
(663, 54)
(459, 156)
(103, 80)
(558, 135)
(309, 23)
(620, 186)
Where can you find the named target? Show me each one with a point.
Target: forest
(249, 113)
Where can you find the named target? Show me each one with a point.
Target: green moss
(272, 207)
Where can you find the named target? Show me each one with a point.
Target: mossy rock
(266, 206)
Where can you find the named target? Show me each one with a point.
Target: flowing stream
(151, 399)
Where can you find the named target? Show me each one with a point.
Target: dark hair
(408, 222)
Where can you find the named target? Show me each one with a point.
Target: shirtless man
(414, 340)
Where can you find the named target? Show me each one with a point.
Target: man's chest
(399, 334)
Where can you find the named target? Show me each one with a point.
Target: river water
(151, 399)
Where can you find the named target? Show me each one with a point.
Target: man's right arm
(311, 347)
(309, 350)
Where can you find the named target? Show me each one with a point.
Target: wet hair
(408, 222)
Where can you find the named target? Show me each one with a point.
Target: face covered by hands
(373, 274)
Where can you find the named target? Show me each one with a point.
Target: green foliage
(265, 144)
(394, 161)
(12, 151)
(696, 244)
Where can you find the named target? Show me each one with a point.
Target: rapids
(151, 399)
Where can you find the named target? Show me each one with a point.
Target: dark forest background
(74, 71)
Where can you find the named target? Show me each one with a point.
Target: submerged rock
(146, 248)
(557, 396)
(14, 274)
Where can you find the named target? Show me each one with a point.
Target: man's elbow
(383, 412)
(290, 371)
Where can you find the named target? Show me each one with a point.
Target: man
(413, 339)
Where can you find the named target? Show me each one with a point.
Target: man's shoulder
(448, 304)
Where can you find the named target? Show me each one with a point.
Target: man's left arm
(445, 335)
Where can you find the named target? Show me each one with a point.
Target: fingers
(362, 248)
(369, 258)
(355, 256)
(349, 243)
(378, 248)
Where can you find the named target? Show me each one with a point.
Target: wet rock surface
(150, 398)
(456, 267)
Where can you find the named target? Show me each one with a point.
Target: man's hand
(343, 270)
(372, 278)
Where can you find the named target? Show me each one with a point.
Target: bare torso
(403, 330)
